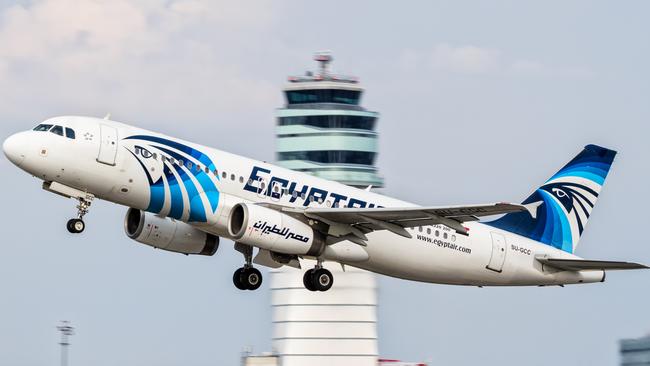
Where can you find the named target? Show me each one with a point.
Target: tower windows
(330, 121)
(340, 96)
(330, 156)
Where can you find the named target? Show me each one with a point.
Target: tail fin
(565, 201)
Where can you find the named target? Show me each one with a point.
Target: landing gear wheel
(252, 277)
(322, 279)
(307, 280)
(247, 278)
(237, 279)
(76, 226)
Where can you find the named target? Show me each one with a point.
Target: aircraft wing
(351, 223)
(588, 265)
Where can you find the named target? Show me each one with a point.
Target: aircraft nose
(14, 148)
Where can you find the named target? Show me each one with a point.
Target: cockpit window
(42, 127)
(57, 130)
(69, 133)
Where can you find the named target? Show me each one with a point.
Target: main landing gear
(247, 277)
(76, 226)
(318, 278)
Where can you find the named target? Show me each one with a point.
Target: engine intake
(168, 234)
(273, 230)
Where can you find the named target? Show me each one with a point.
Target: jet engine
(273, 230)
(168, 234)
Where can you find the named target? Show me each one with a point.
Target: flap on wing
(588, 265)
(459, 213)
(343, 221)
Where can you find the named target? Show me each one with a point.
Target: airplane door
(498, 252)
(107, 145)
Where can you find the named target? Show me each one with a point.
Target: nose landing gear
(76, 226)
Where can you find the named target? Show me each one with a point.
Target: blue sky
(479, 102)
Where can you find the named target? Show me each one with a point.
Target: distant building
(635, 352)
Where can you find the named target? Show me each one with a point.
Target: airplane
(183, 197)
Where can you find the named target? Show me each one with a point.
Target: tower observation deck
(324, 131)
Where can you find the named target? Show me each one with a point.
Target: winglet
(532, 208)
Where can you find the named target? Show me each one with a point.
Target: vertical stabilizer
(564, 201)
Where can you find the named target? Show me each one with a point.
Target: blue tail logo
(566, 201)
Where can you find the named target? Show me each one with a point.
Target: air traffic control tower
(324, 131)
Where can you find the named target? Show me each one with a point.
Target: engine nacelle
(273, 230)
(168, 234)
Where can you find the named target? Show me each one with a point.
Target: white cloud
(164, 57)
(465, 59)
(534, 68)
(470, 59)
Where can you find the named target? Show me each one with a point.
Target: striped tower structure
(324, 131)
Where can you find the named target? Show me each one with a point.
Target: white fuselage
(105, 166)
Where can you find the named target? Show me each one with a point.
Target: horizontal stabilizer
(588, 265)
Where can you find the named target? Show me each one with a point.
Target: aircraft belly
(420, 260)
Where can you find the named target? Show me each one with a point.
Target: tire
(252, 277)
(322, 279)
(70, 227)
(308, 280)
(75, 226)
(237, 279)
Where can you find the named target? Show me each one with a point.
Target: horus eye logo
(564, 194)
(139, 150)
(572, 196)
(559, 193)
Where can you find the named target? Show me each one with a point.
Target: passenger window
(302, 195)
(453, 238)
(207, 171)
(57, 130)
(42, 127)
(232, 177)
(294, 194)
(189, 165)
(420, 229)
(328, 203)
(437, 233)
(241, 179)
(69, 133)
(154, 156)
(224, 175)
(444, 236)
(429, 230)
(216, 173)
(181, 162)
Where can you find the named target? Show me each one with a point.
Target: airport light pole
(66, 330)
